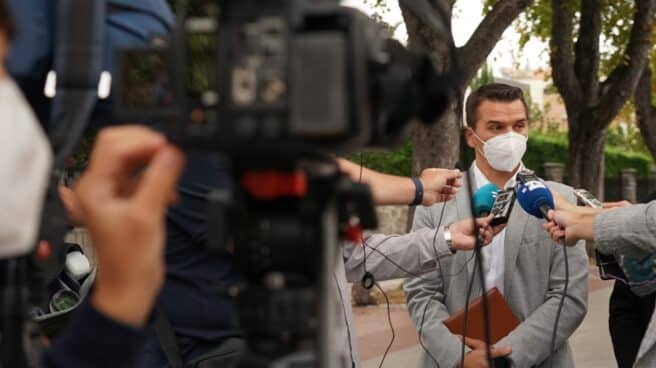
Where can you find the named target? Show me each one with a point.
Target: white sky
(465, 21)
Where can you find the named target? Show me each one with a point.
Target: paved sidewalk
(590, 343)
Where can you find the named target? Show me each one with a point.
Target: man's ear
(470, 138)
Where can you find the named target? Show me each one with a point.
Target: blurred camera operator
(124, 213)
(125, 218)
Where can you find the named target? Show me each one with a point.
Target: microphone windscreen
(484, 199)
(533, 195)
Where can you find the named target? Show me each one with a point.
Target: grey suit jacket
(387, 257)
(631, 231)
(534, 278)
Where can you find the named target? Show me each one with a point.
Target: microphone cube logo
(531, 186)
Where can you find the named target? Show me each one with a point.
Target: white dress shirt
(493, 253)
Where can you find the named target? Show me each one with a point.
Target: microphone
(535, 198)
(484, 199)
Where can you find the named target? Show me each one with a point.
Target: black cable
(389, 318)
(439, 266)
(464, 327)
(364, 254)
(369, 276)
(410, 273)
(560, 307)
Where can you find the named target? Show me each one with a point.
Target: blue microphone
(535, 198)
(484, 199)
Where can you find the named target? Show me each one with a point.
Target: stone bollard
(361, 296)
(651, 181)
(629, 185)
(392, 219)
(554, 171)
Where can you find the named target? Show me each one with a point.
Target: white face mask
(504, 152)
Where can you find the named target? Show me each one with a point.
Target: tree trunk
(586, 157)
(436, 145)
(592, 105)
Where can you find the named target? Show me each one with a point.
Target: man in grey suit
(628, 231)
(522, 261)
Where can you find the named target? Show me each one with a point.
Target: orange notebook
(502, 319)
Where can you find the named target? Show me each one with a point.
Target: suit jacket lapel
(514, 234)
(463, 203)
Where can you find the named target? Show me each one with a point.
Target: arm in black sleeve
(94, 340)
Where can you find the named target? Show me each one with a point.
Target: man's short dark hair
(6, 20)
(497, 92)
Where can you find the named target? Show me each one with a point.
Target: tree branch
(562, 58)
(622, 81)
(587, 53)
(474, 53)
(645, 111)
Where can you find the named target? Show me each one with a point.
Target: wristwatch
(448, 239)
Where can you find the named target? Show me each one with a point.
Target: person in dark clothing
(629, 316)
(628, 319)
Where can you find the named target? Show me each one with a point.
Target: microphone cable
(560, 306)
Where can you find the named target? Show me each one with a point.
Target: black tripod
(288, 219)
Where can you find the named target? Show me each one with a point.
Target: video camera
(250, 77)
(278, 86)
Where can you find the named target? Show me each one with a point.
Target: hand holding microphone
(440, 185)
(564, 226)
(463, 232)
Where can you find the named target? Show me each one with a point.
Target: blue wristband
(419, 192)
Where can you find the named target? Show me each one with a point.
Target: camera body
(251, 77)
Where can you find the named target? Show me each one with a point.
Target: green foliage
(542, 148)
(626, 138)
(618, 159)
(545, 148)
(554, 148)
(398, 162)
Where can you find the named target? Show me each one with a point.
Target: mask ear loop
(479, 139)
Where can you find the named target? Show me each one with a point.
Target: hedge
(542, 148)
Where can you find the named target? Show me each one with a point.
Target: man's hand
(568, 227)
(477, 358)
(619, 204)
(560, 203)
(462, 232)
(440, 185)
(123, 196)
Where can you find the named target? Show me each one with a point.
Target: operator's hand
(567, 227)
(440, 185)
(477, 358)
(462, 232)
(124, 212)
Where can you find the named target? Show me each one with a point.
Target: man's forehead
(501, 111)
